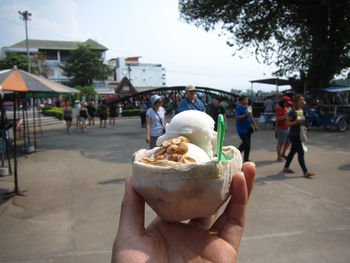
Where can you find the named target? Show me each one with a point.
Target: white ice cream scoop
(197, 126)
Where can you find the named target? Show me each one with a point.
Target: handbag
(303, 133)
(251, 129)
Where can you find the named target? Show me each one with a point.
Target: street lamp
(26, 16)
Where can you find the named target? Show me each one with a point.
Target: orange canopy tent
(15, 80)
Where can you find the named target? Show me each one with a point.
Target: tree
(14, 59)
(86, 91)
(84, 66)
(306, 38)
(40, 65)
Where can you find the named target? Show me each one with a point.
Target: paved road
(75, 185)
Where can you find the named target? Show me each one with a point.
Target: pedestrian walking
(143, 109)
(68, 116)
(103, 114)
(295, 120)
(245, 125)
(282, 129)
(76, 112)
(112, 113)
(83, 116)
(155, 121)
(91, 112)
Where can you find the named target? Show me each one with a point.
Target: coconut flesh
(181, 178)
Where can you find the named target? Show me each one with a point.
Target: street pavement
(75, 184)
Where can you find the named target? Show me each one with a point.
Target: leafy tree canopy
(84, 66)
(13, 59)
(306, 38)
(86, 91)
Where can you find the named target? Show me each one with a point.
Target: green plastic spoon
(220, 138)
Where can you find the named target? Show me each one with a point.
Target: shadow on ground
(345, 167)
(276, 177)
(263, 163)
(4, 195)
(113, 181)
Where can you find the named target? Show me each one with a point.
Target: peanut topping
(160, 157)
(159, 151)
(183, 139)
(175, 141)
(148, 160)
(188, 159)
(182, 148)
(175, 157)
(166, 143)
(172, 149)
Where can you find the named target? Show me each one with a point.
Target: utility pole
(26, 16)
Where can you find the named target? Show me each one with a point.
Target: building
(56, 52)
(141, 75)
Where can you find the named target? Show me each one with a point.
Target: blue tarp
(333, 89)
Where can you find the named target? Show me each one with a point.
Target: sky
(151, 29)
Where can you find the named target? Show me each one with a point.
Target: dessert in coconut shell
(182, 178)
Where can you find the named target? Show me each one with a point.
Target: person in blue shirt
(244, 121)
(191, 102)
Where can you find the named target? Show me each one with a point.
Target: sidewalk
(75, 185)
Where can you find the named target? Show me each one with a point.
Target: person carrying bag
(155, 121)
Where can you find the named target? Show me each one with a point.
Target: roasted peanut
(174, 157)
(166, 143)
(183, 139)
(160, 157)
(172, 149)
(175, 141)
(159, 151)
(182, 148)
(188, 159)
(148, 160)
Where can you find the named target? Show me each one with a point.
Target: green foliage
(306, 38)
(132, 112)
(13, 59)
(53, 111)
(87, 91)
(85, 65)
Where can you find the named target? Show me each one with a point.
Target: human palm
(196, 241)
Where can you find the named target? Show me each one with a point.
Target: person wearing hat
(76, 112)
(155, 121)
(282, 128)
(191, 102)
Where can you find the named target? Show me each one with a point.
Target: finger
(132, 214)
(249, 171)
(230, 224)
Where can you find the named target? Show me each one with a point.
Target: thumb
(132, 214)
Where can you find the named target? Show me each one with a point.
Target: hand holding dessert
(163, 241)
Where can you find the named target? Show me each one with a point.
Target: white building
(139, 74)
(56, 52)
